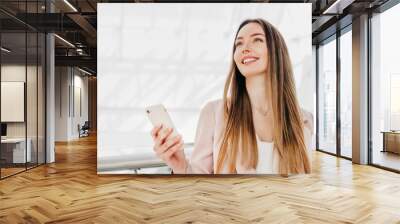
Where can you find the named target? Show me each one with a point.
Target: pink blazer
(209, 130)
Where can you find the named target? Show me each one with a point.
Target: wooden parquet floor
(70, 191)
(10, 171)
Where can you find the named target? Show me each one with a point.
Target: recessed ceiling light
(84, 71)
(5, 50)
(65, 41)
(70, 5)
(338, 6)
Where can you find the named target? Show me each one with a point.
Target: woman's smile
(248, 60)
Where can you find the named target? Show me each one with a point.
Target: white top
(265, 157)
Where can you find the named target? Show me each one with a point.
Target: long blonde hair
(239, 131)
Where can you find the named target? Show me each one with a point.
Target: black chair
(84, 130)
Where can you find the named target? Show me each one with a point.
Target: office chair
(84, 130)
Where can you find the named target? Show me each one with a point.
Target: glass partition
(41, 91)
(13, 94)
(32, 86)
(31, 100)
(22, 78)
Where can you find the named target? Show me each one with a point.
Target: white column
(360, 90)
(50, 99)
(50, 92)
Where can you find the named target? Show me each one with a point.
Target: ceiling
(76, 22)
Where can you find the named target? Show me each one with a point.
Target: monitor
(3, 129)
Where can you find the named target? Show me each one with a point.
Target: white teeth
(248, 60)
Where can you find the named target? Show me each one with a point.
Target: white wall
(80, 83)
(62, 82)
(67, 115)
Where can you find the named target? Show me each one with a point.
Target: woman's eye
(238, 44)
(258, 40)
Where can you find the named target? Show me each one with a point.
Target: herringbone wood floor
(70, 191)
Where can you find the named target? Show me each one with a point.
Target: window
(346, 94)
(385, 89)
(327, 96)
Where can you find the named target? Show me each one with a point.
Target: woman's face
(250, 55)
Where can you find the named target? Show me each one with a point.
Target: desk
(391, 141)
(15, 148)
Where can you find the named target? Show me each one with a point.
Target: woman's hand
(169, 148)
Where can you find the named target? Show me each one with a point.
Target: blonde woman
(258, 126)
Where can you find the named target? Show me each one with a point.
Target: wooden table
(391, 141)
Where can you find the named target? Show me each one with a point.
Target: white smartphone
(158, 115)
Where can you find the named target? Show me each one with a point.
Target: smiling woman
(258, 126)
(251, 51)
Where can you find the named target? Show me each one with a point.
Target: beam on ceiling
(86, 26)
(83, 61)
(337, 6)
